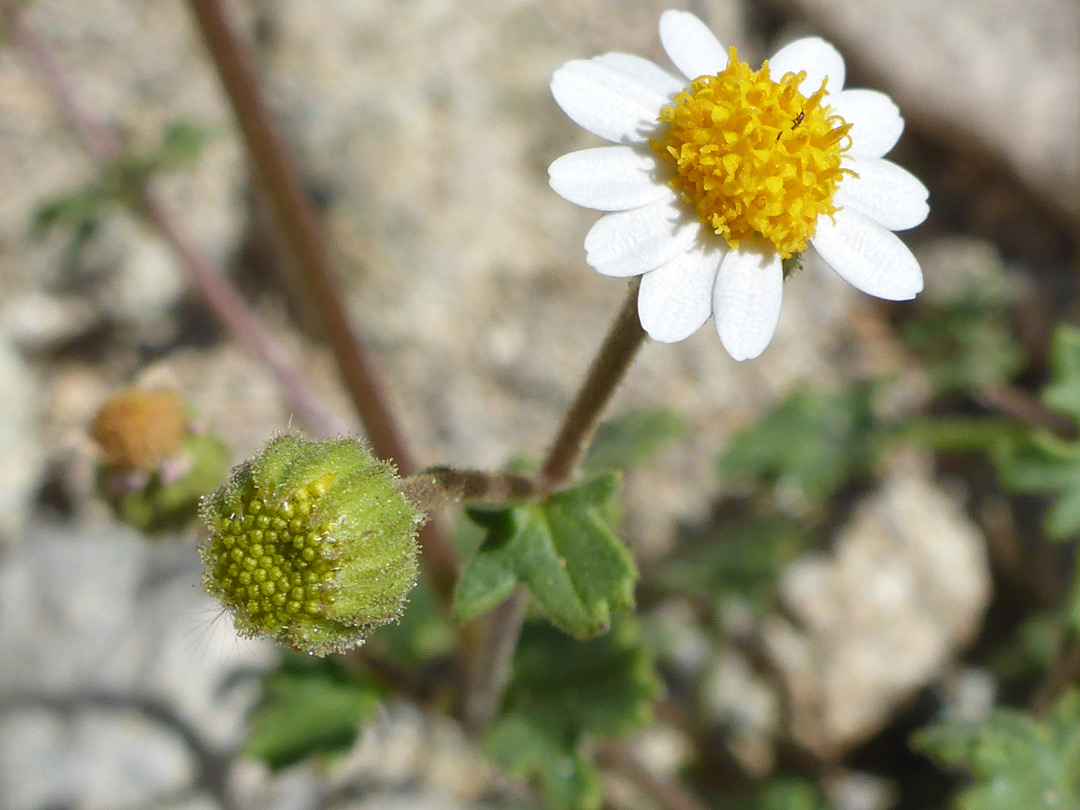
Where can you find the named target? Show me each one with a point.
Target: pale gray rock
(126, 679)
(22, 455)
(59, 755)
(882, 615)
(139, 67)
(36, 321)
(996, 73)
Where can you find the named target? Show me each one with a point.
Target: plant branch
(618, 350)
(230, 309)
(295, 214)
(492, 663)
(437, 486)
(1022, 406)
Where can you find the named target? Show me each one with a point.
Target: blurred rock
(747, 708)
(136, 65)
(20, 441)
(69, 756)
(146, 277)
(36, 321)
(881, 616)
(858, 790)
(994, 73)
(126, 679)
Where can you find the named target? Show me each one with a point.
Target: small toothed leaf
(562, 550)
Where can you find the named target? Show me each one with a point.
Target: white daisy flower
(722, 174)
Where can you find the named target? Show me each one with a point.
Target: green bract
(311, 544)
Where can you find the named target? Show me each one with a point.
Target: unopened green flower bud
(311, 544)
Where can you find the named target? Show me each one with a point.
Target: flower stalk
(295, 214)
(494, 656)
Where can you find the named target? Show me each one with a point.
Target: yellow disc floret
(755, 156)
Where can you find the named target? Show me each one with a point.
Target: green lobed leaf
(309, 706)
(562, 550)
(811, 444)
(1015, 760)
(563, 690)
(603, 686)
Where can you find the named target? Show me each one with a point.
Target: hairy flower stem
(437, 486)
(492, 663)
(295, 214)
(623, 340)
(227, 305)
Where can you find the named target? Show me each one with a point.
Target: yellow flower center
(755, 156)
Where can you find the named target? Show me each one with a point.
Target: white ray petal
(814, 55)
(690, 45)
(648, 73)
(746, 299)
(868, 256)
(608, 178)
(628, 243)
(676, 298)
(875, 120)
(888, 194)
(607, 100)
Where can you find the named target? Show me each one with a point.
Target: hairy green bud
(311, 544)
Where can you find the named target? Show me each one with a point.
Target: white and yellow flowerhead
(722, 175)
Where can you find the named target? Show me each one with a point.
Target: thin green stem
(492, 663)
(608, 368)
(295, 215)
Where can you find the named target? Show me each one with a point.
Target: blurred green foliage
(743, 560)
(1015, 760)
(563, 690)
(633, 439)
(784, 793)
(1050, 464)
(808, 446)
(119, 183)
(966, 342)
(310, 706)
